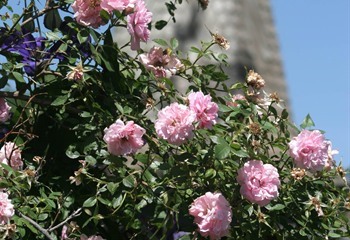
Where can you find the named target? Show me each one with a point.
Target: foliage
(69, 82)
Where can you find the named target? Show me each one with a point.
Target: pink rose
(123, 138)
(93, 237)
(310, 150)
(259, 182)
(119, 5)
(6, 208)
(234, 102)
(10, 154)
(160, 62)
(206, 110)
(137, 24)
(87, 13)
(212, 213)
(175, 123)
(5, 113)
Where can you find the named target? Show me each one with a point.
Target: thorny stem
(73, 215)
(36, 225)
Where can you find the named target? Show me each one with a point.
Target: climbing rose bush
(97, 141)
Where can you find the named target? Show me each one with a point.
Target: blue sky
(315, 48)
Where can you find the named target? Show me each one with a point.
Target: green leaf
(284, 114)
(83, 36)
(161, 42)
(129, 181)
(307, 122)
(91, 201)
(276, 207)
(210, 173)
(18, 76)
(240, 153)
(116, 202)
(174, 43)
(104, 15)
(222, 150)
(3, 81)
(52, 19)
(53, 36)
(334, 235)
(60, 100)
(72, 153)
(112, 187)
(160, 24)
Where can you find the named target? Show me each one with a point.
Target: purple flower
(30, 48)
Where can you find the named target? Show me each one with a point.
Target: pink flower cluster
(5, 113)
(123, 138)
(311, 151)
(160, 62)
(175, 123)
(87, 13)
(138, 24)
(6, 208)
(10, 154)
(206, 110)
(212, 213)
(259, 182)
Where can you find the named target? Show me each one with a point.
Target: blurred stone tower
(247, 24)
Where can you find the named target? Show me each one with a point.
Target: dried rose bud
(77, 73)
(221, 41)
(274, 97)
(298, 173)
(254, 128)
(255, 80)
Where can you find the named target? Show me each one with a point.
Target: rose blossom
(137, 24)
(175, 123)
(93, 237)
(10, 154)
(5, 113)
(259, 182)
(119, 5)
(123, 138)
(206, 110)
(87, 13)
(310, 150)
(6, 208)
(212, 213)
(160, 62)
